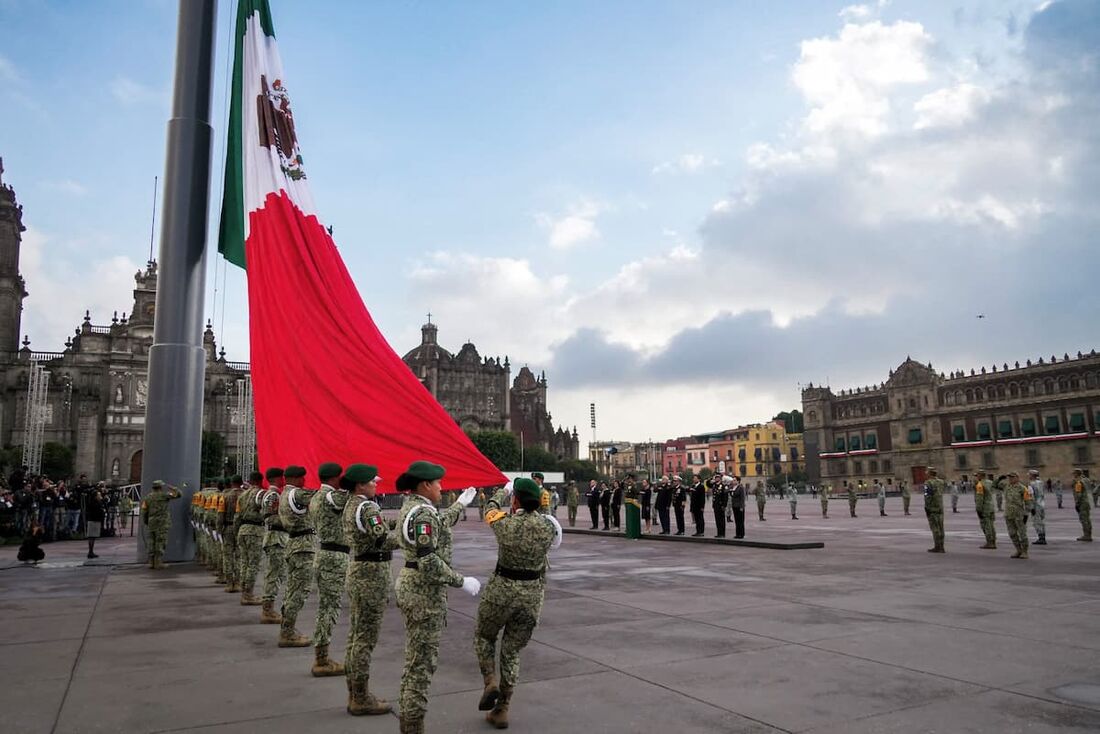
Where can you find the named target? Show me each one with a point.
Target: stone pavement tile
(889, 601)
(602, 703)
(1050, 625)
(1044, 588)
(797, 622)
(171, 696)
(625, 644)
(1090, 607)
(678, 599)
(981, 713)
(44, 628)
(580, 611)
(1076, 682)
(993, 658)
(29, 706)
(793, 687)
(38, 661)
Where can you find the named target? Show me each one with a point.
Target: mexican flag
(326, 384)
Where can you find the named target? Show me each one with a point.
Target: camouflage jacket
(154, 508)
(366, 528)
(326, 514)
(1080, 494)
(294, 516)
(227, 510)
(983, 497)
(248, 505)
(424, 534)
(933, 495)
(523, 538)
(1018, 500)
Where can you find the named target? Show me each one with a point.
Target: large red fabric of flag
(326, 385)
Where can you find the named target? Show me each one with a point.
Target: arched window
(1048, 386)
(979, 395)
(1074, 383)
(969, 395)
(1013, 391)
(1090, 380)
(949, 398)
(1000, 392)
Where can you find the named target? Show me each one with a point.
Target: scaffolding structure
(34, 421)
(246, 428)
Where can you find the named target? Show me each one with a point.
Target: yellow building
(759, 451)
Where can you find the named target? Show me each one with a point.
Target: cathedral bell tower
(12, 288)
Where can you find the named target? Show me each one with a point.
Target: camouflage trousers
(230, 563)
(368, 588)
(1084, 514)
(824, 505)
(330, 567)
(156, 540)
(572, 515)
(299, 579)
(511, 606)
(852, 505)
(249, 553)
(935, 524)
(276, 571)
(214, 553)
(1017, 532)
(988, 528)
(905, 503)
(760, 502)
(1040, 522)
(425, 615)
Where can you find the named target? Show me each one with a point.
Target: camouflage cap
(1033, 472)
(156, 483)
(1013, 473)
(932, 470)
(329, 470)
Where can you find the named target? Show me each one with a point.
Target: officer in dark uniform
(679, 497)
(605, 505)
(645, 496)
(593, 497)
(720, 494)
(664, 500)
(698, 502)
(617, 504)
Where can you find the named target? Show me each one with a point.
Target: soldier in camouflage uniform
(933, 508)
(544, 493)
(250, 535)
(196, 502)
(513, 596)
(213, 547)
(999, 491)
(853, 498)
(1080, 487)
(792, 498)
(228, 526)
(906, 496)
(880, 492)
(274, 545)
(572, 499)
(157, 520)
(330, 566)
(300, 549)
(1039, 505)
(368, 581)
(1018, 503)
(761, 499)
(425, 536)
(823, 495)
(983, 505)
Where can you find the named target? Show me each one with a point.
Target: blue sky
(679, 210)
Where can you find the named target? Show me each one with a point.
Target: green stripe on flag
(231, 227)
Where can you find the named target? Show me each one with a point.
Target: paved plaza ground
(869, 634)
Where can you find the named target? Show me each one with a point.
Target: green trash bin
(633, 519)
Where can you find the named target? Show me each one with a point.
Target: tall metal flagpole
(177, 361)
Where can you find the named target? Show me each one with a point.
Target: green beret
(294, 472)
(360, 473)
(329, 470)
(526, 488)
(425, 471)
(537, 475)
(273, 473)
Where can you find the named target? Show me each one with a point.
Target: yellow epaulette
(493, 516)
(221, 503)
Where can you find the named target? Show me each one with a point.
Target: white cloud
(950, 106)
(8, 72)
(576, 227)
(131, 93)
(66, 186)
(687, 163)
(861, 11)
(848, 80)
(61, 289)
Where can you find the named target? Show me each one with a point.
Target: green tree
(536, 458)
(578, 470)
(499, 447)
(57, 461)
(705, 473)
(792, 420)
(688, 476)
(11, 458)
(213, 455)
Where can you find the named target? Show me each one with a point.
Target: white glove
(471, 586)
(557, 531)
(467, 496)
(508, 489)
